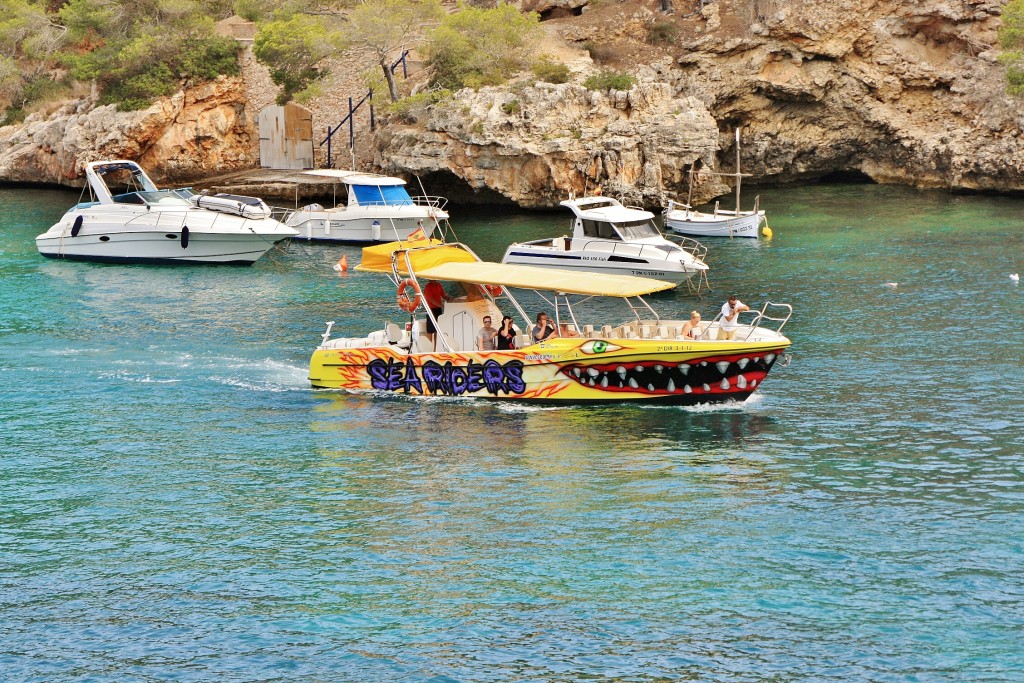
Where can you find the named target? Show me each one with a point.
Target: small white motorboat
(610, 238)
(683, 220)
(139, 223)
(378, 209)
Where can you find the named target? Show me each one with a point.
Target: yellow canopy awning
(548, 279)
(377, 259)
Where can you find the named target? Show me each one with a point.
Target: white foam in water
(275, 375)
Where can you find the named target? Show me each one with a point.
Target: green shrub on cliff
(550, 70)
(134, 50)
(29, 51)
(1011, 38)
(475, 46)
(138, 52)
(609, 80)
(295, 48)
(386, 27)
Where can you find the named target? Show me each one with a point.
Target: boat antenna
(689, 195)
(738, 175)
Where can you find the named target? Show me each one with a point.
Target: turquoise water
(178, 505)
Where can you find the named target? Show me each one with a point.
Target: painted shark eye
(598, 346)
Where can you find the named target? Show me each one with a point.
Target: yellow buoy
(767, 232)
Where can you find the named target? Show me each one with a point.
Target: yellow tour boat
(647, 358)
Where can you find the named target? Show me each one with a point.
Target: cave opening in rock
(457, 191)
(849, 176)
(560, 12)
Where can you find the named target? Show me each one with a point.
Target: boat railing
(431, 202)
(692, 247)
(689, 245)
(283, 214)
(769, 313)
(772, 313)
(623, 248)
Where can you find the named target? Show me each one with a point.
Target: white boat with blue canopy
(128, 219)
(377, 209)
(613, 239)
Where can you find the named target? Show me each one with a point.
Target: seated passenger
(544, 329)
(507, 334)
(566, 330)
(691, 328)
(486, 336)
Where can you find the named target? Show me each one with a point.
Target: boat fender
(184, 237)
(495, 290)
(77, 226)
(766, 231)
(405, 303)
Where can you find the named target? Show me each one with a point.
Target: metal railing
(759, 316)
(353, 108)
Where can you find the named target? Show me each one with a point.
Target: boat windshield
(155, 198)
(637, 230)
(381, 195)
(599, 229)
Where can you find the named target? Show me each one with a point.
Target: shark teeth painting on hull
(713, 375)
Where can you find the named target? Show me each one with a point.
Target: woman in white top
(691, 328)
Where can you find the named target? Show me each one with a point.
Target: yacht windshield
(157, 198)
(638, 230)
(599, 229)
(378, 195)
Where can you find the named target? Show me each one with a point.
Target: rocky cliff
(899, 92)
(537, 143)
(198, 132)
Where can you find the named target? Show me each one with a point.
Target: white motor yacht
(129, 220)
(378, 209)
(610, 238)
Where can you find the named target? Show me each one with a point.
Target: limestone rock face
(200, 132)
(902, 92)
(535, 144)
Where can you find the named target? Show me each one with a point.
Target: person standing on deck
(434, 296)
(729, 321)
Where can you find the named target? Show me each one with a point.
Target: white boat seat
(521, 341)
(661, 332)
(607, 332)
(422, 345)
(588, 331)
(394, 333)
(645, 331)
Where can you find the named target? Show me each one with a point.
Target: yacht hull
(668, 272)
(158, 249)
(357, 225)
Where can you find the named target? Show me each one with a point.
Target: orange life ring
(405, 303)
(494, 290)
